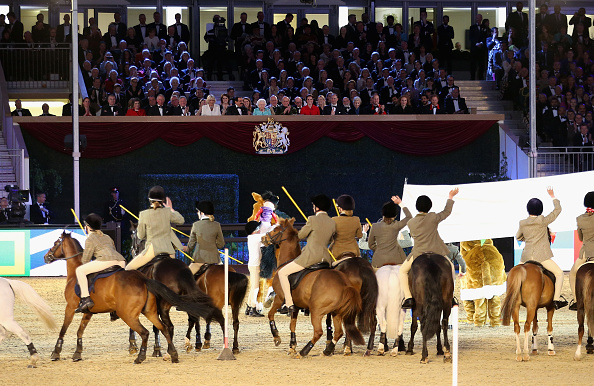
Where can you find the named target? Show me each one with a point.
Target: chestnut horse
(212, 282)
(323, 292)
(529, 286)
(129, 293)
(584, 297)
(432, 287)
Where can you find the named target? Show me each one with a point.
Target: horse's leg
(371, 339)
(447, 357)
(316, 321)
(207, 335)
(153, 317)
(166, 321)
(590, 343)
(535, 334)
(198, 337)
(157, 346)
(134, 324)
(401, 345)
(380, 315)
(68, 315)
(413, 331)
(337, 335)
(516, 318)
(580, 318)
(328, 329)
(530, 315)
(292, 327)
(275, 305)
(438, 338)
(235, 312)
(424, 352)
(8, 323)
(188, 341)
(79, 334)
(132, 348)
(550, 346)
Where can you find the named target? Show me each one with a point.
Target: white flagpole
(454, 316)
(226, 354)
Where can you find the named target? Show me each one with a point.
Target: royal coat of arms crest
(271, 138)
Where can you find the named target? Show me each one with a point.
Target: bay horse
(360, 273)
(323, 292)
(212, 282)
(390, 314)
(584, 297)
(432, 287)
(175, 275)
(129, 293)
(9, 289)
(528, 285)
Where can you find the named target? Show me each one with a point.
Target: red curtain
(105, 139)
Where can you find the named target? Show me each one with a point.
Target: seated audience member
(174, 108)
(375, 108)
(333, 108)
(454, 104)
(434, 107)
(19, 111)
(185, 108)
(135, 110)
(261, 108)
(45, 111)
(310, 108)
(356, 110)
(87, 109)
(237, 108)
(159, 109)
(403, 107)
(111, 108)
(298, 102)
(211, 108)
(224, 104)
(273, 105)
(285, 108)
(321, 103)
(346, 103)
(247, 103)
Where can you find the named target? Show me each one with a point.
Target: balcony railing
(562, 160)
(36, 67)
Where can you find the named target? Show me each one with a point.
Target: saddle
(92, 278)
(544, 270)
(295, 278)
(345, 256)
(201, 270)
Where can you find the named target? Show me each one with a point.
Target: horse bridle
(276, 239)
(54, 249)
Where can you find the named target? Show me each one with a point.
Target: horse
(212, 282)
(176, 276)
(361, 275)
(9, 289)
(389, 311)
(528, 285)
(432, 286)
(584, 297)
(128, 293)
(323, 292)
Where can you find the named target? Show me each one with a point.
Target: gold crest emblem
(271, 138)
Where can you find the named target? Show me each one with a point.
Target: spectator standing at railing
(160, 29)
(141, 30)
(19, 111)
(518, 20)
(121, 28)
(16, 28)
(3, 24)
(63, 31)
(40, 30)
(45, 111)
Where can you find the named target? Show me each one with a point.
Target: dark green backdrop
(368, 171)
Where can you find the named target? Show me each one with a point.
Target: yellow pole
(336, 207)
(368, 222)
(136, 217)
(223, 253)
(300, 211)
(78, 221)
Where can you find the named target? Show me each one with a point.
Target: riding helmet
(389, 210)
(94, 221)
(534, 207)
(157, 193)
(205, 207)
(322, 202)
(251, 226)
(346, 202)
(424, 204)
(269, 196)
(589, 200)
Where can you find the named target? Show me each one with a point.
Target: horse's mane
(75, 241)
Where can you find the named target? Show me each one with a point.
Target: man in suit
(454, 104)
(541, 20)
(174, 108)
(556, 21)
(326, 37)
(16, 28)
(434, 107)
(423, 229)
(333, 108)
(580, 18)
(111, 109)
(182, 31)
(40, 30)
(158, 26)
(319, 231)
(445, 34)
(262, 26)
(63, 31)
(240, 33)
(478, 48)
(121, 27)
(518, 21)
(283, 25)
(367, 92)
(388, 91)
(141, 30)
(45, 111)
(19, 111)
(238, 108)
(374, 107)
(158, 110)
(427, 30)
(40, 212)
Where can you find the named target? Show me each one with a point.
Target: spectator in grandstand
(45, 111)
(159, 109)
(225, 103)
(211, 108)
(87, 109)
(262, 109)
(403, 106)
(454, 104)
(134, 109)
(19, 111)
(151, 41)
(333, 108)
(160, 29)
(310, 108)
(111, 108)
(434, 107)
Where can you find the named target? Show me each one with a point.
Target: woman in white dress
(211, 108)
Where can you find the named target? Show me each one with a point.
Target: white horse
(390, 314)
(8, 290)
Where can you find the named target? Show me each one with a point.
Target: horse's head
(279, 233)
(56, 252)
(137, 243)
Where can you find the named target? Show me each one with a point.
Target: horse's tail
(26, 293)
(369, 293)
(514, 287)
(197, 303)
(348, 309)
(432, 303)
(238, 284)
(393, 309)
(186, 282)
(587, 294)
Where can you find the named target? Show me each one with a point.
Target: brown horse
(529, 286)
(323, 292)
(584, 297)
(432, 286)
(212, 282)
(129, 293)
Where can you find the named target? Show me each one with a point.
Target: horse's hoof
(292, 351)
(447, 358)
(519, 358)
(166, 357)
(157, 353)
(55, 356)
(188, 345)
(526, 358)
(394, 352)
(380, 353)
(206, 344)
(410, 352)
(277, 341)
(424, 361)
(534, 352)
(235, 350)
(198, 346)
(589, 351)
(367, 353)
(577, 357)
(440, 352)
(298, 356)
(347, 352)
(77, 357)
(551, 352)
(31, 367)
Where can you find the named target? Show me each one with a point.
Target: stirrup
(85, 304)
(573, 305)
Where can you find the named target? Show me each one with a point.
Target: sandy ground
(486, 355)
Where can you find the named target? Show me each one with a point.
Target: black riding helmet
(534, 207)
(94, 221)
(589, 200)
(389, 210)
(424, 204)
(157, 193)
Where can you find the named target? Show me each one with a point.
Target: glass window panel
(460, 20)
(168, 15)
(252, 13)
(134, 12)
(206, 15)
(496, 16)
(381, 14)
(344, 12)
(29, 16)
(104, 19)
(321, 18)
(4, 9)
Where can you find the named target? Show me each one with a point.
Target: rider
(267, 212)
(318, 231)
(585, 229)
(154, 225)
(206, 237)
(100, 246)
(254, 244)
(348, 228)
(383, 237)
(535, 233)
(423, 229)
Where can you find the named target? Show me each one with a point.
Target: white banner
(494, 209)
